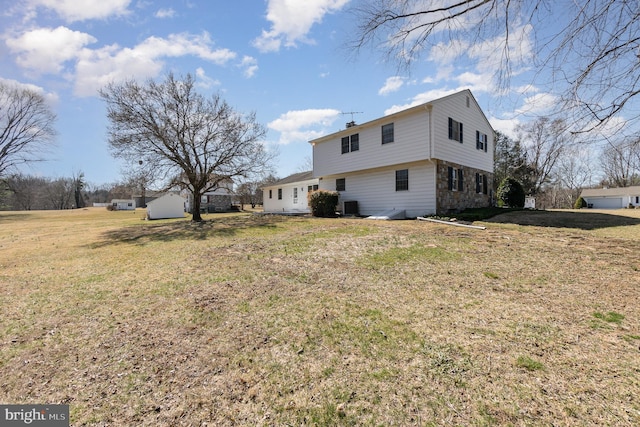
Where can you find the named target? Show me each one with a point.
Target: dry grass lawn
(268, 320)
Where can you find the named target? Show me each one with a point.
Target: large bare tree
(618, 161)
(26, 126)
(544, 141)
(173, 129)
(589, 47)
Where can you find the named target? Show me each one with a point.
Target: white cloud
(291, 21)
(96, 68)
(538, 104)
(73, 10)
(250, 66)
(506, 126)
(421, 98)
(203, 81)
(392, 84)
(165, 13)
(303, 125)
(51, 97)
(45, 50)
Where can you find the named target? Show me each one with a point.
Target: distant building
(612, 198)
(123, 204)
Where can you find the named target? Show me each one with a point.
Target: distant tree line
(554, 165)
(21, 192)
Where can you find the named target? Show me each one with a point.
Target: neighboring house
(289, 195)
(169, 205)
(123, 204)
(149, 196)
(434, 158)
(218, 200)
(612, 198)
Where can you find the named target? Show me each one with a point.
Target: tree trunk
(195, 209)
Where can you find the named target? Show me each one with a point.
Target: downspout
(429, 108)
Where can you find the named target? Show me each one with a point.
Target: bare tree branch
(173, 129)
(26, 126)
(591, 52)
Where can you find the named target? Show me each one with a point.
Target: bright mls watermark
(34, 415)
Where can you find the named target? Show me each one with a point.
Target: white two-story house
(434, 158)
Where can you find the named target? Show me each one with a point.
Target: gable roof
(611, 192)
(410, 110)
(296, 177)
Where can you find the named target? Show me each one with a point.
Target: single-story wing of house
(170, 205)
(289, 195)
(612, 198)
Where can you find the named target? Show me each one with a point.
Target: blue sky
(284, 59)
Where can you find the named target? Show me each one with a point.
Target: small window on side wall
(341, 184)
(279, 193)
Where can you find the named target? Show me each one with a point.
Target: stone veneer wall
(448, 201)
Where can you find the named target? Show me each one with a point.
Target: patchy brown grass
(265, 320)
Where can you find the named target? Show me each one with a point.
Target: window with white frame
(455, 130)
(341, 184)
(481, 183)
(455, 179)
(481, 141)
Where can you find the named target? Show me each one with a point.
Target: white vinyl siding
(375, 190)
(294, 196)
(411, 143)
(473, 121)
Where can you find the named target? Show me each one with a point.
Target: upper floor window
(455, 130)
(481, 141)
(341, 184)
(350, 143)
(387, 133)
(402, 180)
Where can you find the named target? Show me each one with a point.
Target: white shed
(170, 205)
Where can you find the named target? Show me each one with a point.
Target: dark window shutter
(450, 171)
(477, 182)
(484, 184)
(450, 128)
(460, 127)
(486, 143)
(460, 183)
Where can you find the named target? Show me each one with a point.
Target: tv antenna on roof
(352, 122)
